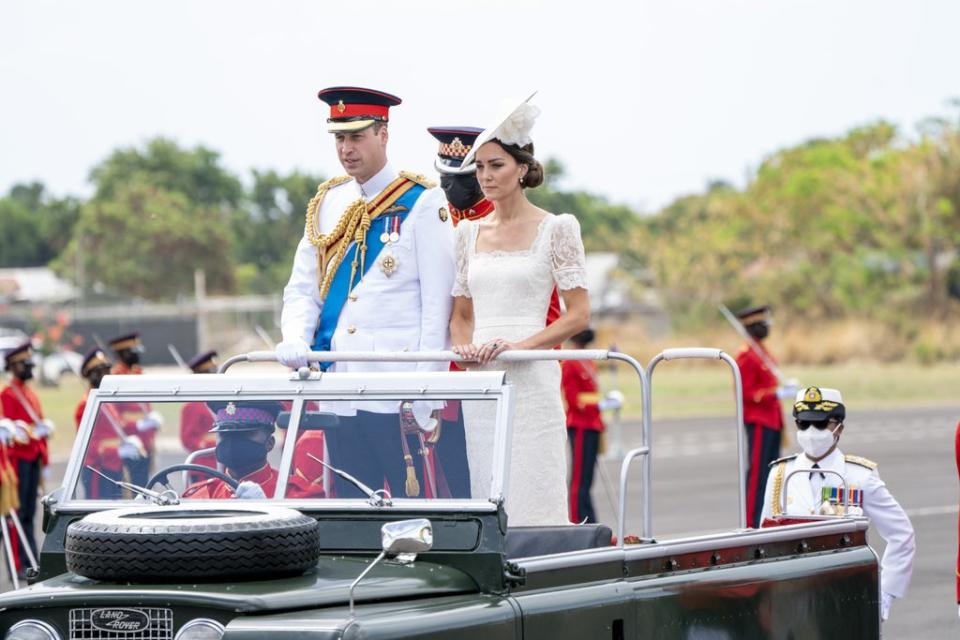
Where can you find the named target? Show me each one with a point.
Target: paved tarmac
(695, 480)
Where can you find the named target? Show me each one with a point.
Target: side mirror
(403, 537)
(406, 536)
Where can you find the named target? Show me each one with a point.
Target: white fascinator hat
(513, 127)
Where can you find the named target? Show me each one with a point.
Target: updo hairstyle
(524, 155)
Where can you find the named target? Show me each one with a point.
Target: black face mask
(24, 372)
(96, 377)
(462, 190)
(758, 330)
(240, 454)
(129, 357)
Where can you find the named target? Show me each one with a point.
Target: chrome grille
(160, 627)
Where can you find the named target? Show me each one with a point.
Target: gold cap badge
(812, 394)
(444, 215)
(341, 107)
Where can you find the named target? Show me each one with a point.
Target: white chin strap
(453, 171)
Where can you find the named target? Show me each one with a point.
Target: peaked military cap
(127, 341)
(244, 415)
(818, 404)
(751, 315)
(356, 108)
(22, 353)
(203, 362)
(455, 144)
(94, 359)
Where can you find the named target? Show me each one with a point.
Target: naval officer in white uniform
(819, 415)
(373, 272)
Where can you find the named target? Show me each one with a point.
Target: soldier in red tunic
(107, 447)
(29, 448)
(196, 418)
(581, 394)
(466, 202)
(9, 499)
(138, 418)
(762, 414)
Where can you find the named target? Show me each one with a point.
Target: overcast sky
(642, 101)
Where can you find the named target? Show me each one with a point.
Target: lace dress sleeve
(462, 258)
(567, 255)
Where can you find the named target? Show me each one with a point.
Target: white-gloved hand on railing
(293, 353)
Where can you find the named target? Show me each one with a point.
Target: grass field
(679, 389)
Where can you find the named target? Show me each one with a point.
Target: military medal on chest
(389, 237)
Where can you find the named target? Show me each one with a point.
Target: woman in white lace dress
(507, 267)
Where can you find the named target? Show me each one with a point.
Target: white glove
(7, 430)
(44, 428)
(247, 490)
(612, 402)
(128, 450)
(885, 601)
(21, 432)
(293, 353)
(46, 473)
(150, 422)
(423, 414)
(787, 392)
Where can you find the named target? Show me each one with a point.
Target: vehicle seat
(524, 542)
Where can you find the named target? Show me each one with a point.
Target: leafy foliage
(864, 225)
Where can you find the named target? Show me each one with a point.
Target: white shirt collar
(834, 461)
(372, 187)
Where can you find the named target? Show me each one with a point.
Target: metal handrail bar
(528, 355)
(786, 487)
(694, 353)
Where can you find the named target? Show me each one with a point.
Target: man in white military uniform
(373, 272)
(819, 415)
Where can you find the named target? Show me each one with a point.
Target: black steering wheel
(161, 476)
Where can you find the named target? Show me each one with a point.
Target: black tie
(817, 466)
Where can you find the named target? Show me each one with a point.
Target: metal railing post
(703, 353)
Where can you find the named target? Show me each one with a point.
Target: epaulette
(783, 459)
(334, 182)
(420, 179)
(863, 462)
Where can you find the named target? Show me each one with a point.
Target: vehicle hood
(328, 584)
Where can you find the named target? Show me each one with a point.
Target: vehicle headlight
(200, 629)
(32, 630)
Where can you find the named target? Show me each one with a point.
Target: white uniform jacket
(893, 525)
(407, 311)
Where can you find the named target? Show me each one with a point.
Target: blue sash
(340, 284)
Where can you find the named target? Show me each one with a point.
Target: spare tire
(165, 544)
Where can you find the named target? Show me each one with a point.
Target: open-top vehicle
(300, 562)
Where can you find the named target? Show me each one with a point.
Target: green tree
(147, 241)
(34, 227)
(196, 173)
(269, 226)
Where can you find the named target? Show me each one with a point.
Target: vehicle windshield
(278, 447)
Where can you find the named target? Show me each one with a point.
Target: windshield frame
(466, 386)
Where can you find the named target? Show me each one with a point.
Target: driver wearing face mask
(244, 432)
(819, 414)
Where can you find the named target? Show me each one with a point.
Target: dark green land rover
(298, 557)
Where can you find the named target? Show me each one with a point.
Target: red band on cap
(343, 110)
